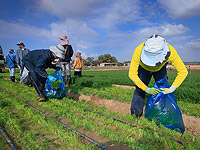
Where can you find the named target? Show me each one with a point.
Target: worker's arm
(40, 69)
(179, 66)
(133, 71)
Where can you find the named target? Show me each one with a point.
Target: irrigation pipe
(131, 125)
(64, 125)
(8, 139)
(127, 123)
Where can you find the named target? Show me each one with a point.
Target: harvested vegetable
(55, 84)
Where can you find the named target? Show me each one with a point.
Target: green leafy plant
(55, 84)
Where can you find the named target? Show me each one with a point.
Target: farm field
(29, 129)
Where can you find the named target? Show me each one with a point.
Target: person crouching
(37, 61)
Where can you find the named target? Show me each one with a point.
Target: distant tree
(107, 58)
(125, 62)
(90, 60)
(86, 63)
(95, 63)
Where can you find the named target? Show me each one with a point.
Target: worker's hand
(19, 67)
(168, 90)
(152, 91)
(72, 67)
(51, 78)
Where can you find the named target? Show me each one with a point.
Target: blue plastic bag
(164, 109)
(60, 92)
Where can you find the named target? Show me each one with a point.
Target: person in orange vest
(149, 59)
(78, 64)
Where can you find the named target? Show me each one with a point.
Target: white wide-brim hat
(58, 50)
(155, 51)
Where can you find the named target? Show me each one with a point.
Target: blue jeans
(139, 94)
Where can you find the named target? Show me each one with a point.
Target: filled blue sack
(59, 91)
(164, 109)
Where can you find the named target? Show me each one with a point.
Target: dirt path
(124, 86)
(192, 123)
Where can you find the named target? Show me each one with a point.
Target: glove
(72, 67)
(152, 91)
(168, 90)
(51, 78)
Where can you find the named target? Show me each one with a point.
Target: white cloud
(83, 54)
(82, 46)
(76, 30)
(69, 8)
(179, 39)
(116, 13)
(73, 28)
(181, 8)
(190, 51)
(164, 30)
(13, 30)
(194, 44)
(93, 55)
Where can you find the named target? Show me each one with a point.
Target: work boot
(68, 80)
(12, 78)
(39, 90)
(43, 99)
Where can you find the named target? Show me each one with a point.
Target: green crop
(55, 84)
(32, 130)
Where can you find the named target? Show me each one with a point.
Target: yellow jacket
(78, 63)
(173, 58)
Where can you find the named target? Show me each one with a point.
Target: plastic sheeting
(24, 76)
(164, 109)
(53, 92)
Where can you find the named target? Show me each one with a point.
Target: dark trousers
(39, 81)
(139, 94)
(78, 73)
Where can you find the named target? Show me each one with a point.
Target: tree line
(106, 58)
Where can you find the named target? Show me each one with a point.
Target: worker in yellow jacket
(78, 64)
(149, 59)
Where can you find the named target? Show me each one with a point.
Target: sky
(98, 27)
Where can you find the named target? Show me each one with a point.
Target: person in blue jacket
(11, 61)
(37, 61)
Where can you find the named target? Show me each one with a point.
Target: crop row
(76, 115)
(188, 96)
(188, 92)
(30, 130)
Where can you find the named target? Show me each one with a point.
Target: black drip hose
(132, 125)
(8, 139)
(64, 125)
